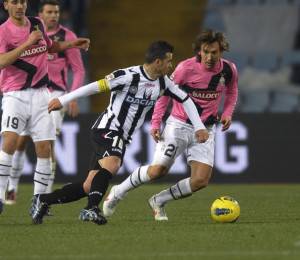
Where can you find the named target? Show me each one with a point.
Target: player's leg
(166, 151)
(12, 124)
(58, 120)
(98, 182)
(201, 158)
(16, 170)
(109, 150)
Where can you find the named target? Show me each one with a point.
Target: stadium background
(262, 145)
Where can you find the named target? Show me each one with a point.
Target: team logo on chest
(222, 79)
(133, 90)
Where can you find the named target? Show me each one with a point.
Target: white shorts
(179, 137)
(57, 116)
(28, 109)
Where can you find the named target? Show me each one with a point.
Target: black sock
(98, 187)
(68, 193)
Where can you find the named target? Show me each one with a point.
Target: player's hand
(34, 37)
(82, 43)
(54, 104)
(73, 109)
(155, 134)
(226, 122)
(202, 135)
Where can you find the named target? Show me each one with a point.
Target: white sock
(16, 170)
(52, 177)
(180, 190)
(42, 175)
(134, 180)
(5, 167)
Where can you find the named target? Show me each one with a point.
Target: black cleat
(93, 214)
(39, 210)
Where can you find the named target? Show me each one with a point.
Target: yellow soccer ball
(225, 209)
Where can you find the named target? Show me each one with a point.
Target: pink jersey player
(30, 70)
(60, 62)
(205, 87)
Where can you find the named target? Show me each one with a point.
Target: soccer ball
(225, 209)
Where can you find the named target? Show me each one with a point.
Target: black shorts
(106, 143)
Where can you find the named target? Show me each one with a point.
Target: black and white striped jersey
(133, 94)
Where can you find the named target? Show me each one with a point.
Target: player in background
(134, 91)
(58, 66)
(24, 47)
(205, 77)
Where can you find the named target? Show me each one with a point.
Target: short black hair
(158, 50)
(47, 2)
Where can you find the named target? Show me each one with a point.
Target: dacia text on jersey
(140, 101)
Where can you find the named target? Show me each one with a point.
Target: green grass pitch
(268, 228)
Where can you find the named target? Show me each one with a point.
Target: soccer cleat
(11, 197)
(110, 203)
(39, 210)
(158, 211)
(1, 206)
(93, 214)
(33, 202)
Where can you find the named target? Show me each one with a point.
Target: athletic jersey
(205, 87)
(30, 70)
(60, 62)
(133, 95)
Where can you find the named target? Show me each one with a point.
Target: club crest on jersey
(140, 101)
(222, 80)
(133, 90)
(56, 38)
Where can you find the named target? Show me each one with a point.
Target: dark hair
(47, 2)
(209, 36)
(158, 50)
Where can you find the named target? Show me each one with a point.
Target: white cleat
(110, 203)
(158, 211)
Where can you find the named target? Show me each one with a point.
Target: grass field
(269, 228)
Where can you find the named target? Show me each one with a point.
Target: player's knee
(112, 164)
(9, 142)
(199, 182)
(157, 171)
(43, 149)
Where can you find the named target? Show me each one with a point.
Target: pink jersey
(30, 70)
(60, 62)
(205, 87)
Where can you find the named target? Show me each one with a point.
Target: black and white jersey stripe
(133, 94)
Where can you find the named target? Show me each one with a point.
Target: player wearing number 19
(24, 46)
(134, 91)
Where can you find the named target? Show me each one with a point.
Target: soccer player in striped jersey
(205, 78)
(134, 91)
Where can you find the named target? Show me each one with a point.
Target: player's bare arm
(226, 122)
(156, 135)
(10, 57)
(81, 43)
(73, 109)
(202, 135)
(54, 104)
